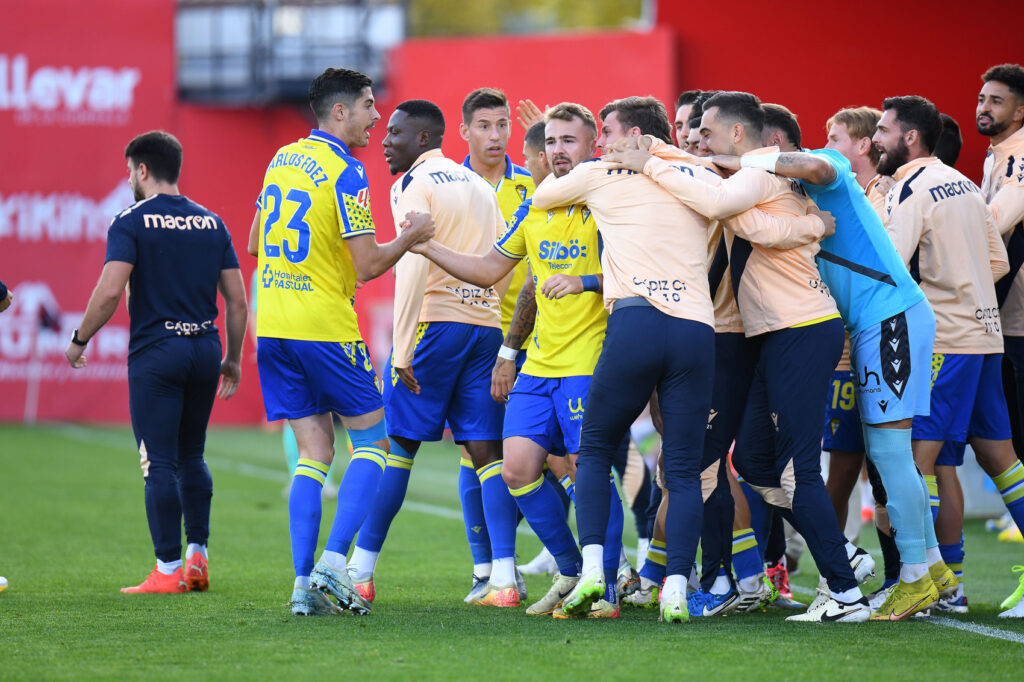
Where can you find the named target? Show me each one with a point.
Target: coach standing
(175, 255)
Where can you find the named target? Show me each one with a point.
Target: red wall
(816, 59)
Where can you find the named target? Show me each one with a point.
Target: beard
(992, 129)
(894, 158)
(137, 192)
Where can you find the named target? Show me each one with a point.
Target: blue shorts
(967, 399)
(951, 454)
(890, 366)
(303, 378)
(842, 421)
(452, 362)
(548, 411)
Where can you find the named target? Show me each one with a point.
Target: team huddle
(744, 290)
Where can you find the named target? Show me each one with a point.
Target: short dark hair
(781, 118)
(424, 110)
(694, 123)
(741, 107)
(1010, 75)
(688, 97)
(698, 104)
(333, 85)
(914, 112)
(534, 138)
(160, 151)
(482, 98)
(947, 149)
(646, 113)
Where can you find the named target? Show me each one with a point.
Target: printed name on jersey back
(304, 163)
(473, 296)
(668, 290)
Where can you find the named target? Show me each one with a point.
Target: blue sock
(356, 495)
(569, 487)
(304, 513)
(473, 513)
(500, 510)
(890, 452)
(390, 495)
(613, 536)
(654, 566)
(953, 555)
(543, 511)
(746, 559)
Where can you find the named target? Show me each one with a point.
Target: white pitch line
(85, 434)
(982, 630)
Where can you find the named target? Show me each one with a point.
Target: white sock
(911, 572)
(482, 570)
(750, 583)
(694, 579)
(168, 567)
(503, 572)
(193, 548)
(932, 555)
(364, 562)
(302, 582)
(848, 596)
(593, 559)
(674, 584)
(333, 559)
(721, 585)
(642, 545)
(851, 549)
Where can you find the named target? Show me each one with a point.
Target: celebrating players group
(746, 290)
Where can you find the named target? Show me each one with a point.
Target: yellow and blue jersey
(569, 332)
(515, 187)
(315, 196)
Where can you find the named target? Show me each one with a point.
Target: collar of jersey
(910, 166)
(1009, 143)
(331, 140)
(509, 168)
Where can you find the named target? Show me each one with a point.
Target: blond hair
(567, 111)
(860, 122)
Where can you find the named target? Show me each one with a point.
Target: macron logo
(66, 94)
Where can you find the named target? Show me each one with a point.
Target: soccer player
(314, 236)
(1000, 117)
(660, 334)
(486, 129)
(685, 105)
(548, 402)
(798, 334)
(446, 335)
(943, 230)
(174, 350)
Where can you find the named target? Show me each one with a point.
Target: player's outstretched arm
(482, 271)
(524, 317)
(783, 231)
(102, 305)
(236, 313)
(372, 259)
(810, 168)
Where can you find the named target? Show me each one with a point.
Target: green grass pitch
(72, 531)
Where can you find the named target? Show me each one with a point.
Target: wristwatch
(77, 341)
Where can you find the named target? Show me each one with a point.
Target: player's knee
(375, 436)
